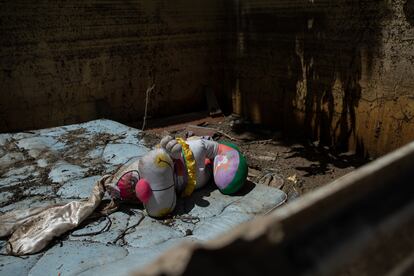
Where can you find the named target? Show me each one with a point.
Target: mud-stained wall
(336, 71)
(72, 61)
(341, 72)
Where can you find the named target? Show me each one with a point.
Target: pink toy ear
(143, 190)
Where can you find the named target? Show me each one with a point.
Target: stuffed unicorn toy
(178, 167)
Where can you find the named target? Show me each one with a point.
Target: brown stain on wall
(340, 72)
(72, 61)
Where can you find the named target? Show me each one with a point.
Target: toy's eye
(126, 184)
(162, 160)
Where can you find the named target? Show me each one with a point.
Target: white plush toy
(178, 167)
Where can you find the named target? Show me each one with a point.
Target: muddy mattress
(61, 164)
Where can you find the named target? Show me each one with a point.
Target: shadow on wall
(303, 65)
(409, 11)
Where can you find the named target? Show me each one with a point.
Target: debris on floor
(296, 167)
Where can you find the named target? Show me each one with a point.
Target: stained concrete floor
(61, 164)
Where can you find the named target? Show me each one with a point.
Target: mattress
(60, 164)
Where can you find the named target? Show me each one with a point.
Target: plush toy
(178, 167)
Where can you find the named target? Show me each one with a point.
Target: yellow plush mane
(191, 167)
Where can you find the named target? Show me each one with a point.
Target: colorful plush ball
(230, 168)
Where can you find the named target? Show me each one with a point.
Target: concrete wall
(336, 71)
(70, 61)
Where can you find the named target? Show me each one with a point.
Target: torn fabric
(31, 230)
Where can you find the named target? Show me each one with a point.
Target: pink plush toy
(178, 167)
